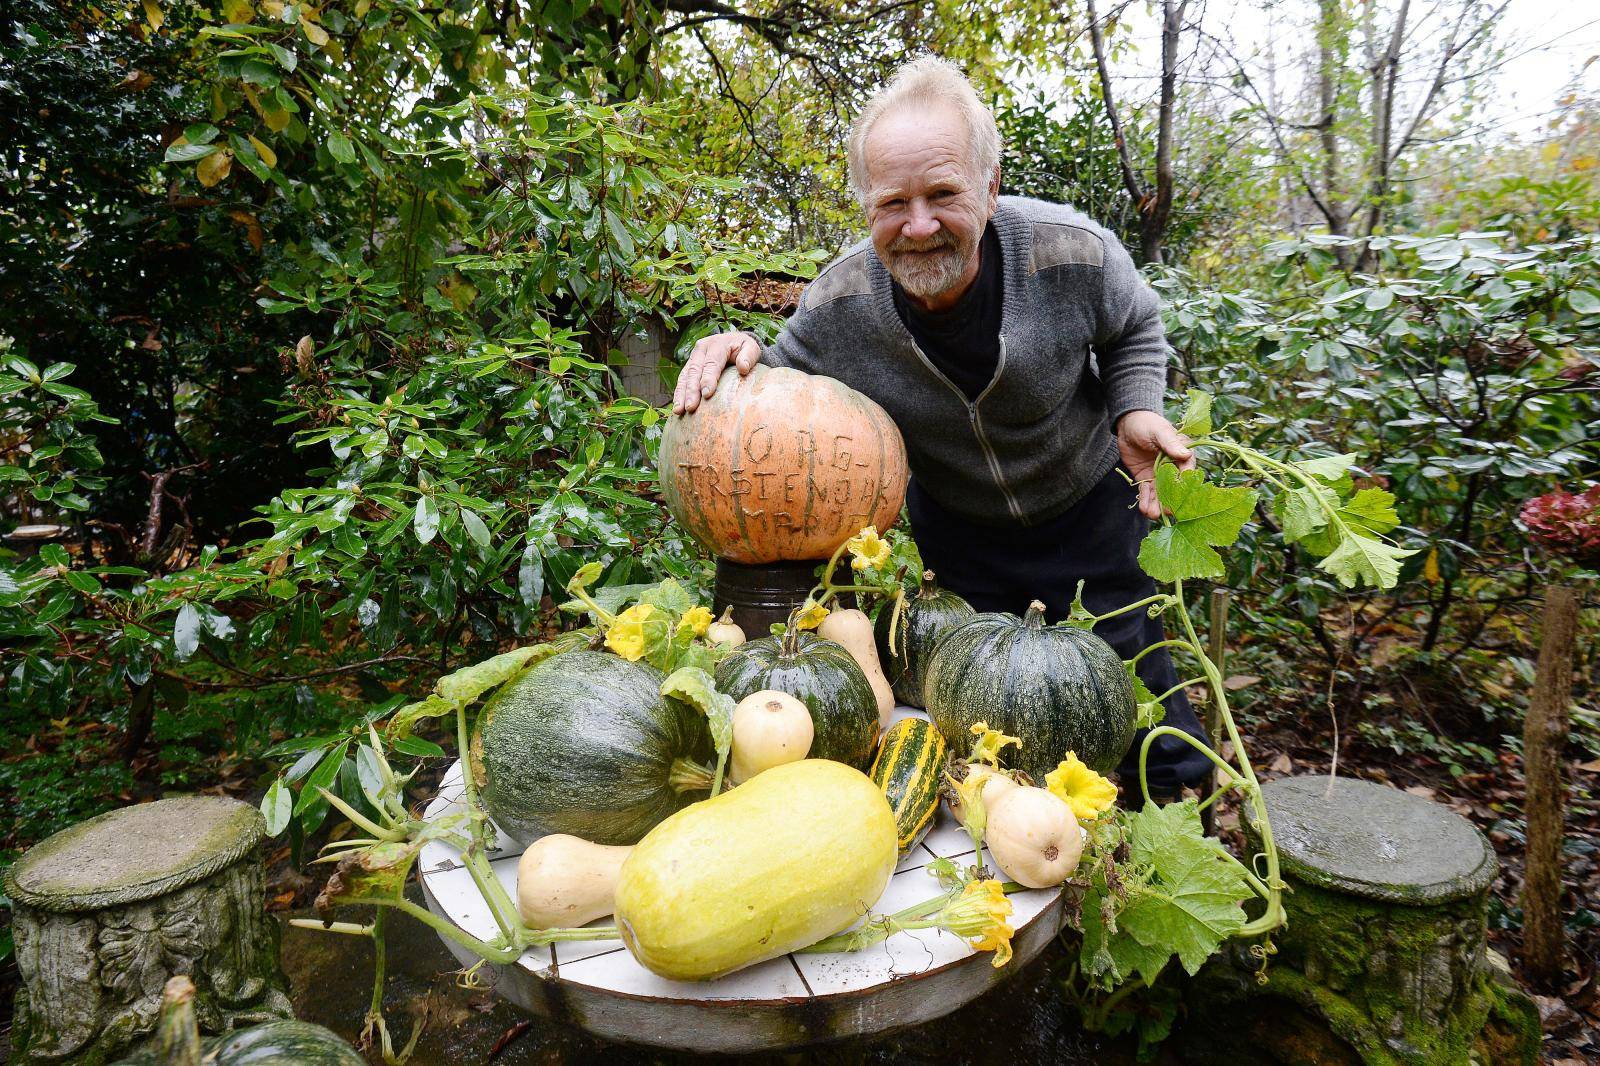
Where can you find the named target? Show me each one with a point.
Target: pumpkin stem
(177, 1036)
(1034, 619)
(791, 639)
(687, 775)
(928, 586)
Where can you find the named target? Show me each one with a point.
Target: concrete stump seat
(1384, 961)
(106, 911)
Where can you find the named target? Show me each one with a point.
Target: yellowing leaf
(1583, 162)
(268, 156)
(314, 33)
(214, 168)
(1430, 568)
(238, 11)
(277, 121)
(153, 15)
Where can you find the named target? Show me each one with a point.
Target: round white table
(788, 1002)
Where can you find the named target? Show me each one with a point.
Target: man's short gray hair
(924, 83)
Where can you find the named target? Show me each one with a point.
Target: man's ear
(994, 189)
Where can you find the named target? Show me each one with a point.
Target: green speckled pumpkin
(276, 1043)
(585, 744)
(820, 674)
(1059, 688)
(928, 614)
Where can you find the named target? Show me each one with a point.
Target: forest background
(312, 316)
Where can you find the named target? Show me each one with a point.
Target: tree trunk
(1153, 223)
(1329, 33)
(1130, 177)
(1544, 737)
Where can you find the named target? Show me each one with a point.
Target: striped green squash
(926, 615)
(821, 674)
(909, 767)
(1058, 688)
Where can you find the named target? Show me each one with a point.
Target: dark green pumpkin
(585, 744)
(1058, 688)
(927, 614)
(820, 674)
(277, 1043)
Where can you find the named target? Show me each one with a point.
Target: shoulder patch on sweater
(1059, 244)
(847, 277)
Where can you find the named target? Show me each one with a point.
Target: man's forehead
(915, 148)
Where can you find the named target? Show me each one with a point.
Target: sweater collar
(1015, 230)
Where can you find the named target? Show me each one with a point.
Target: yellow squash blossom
(627, 636)
(811, 616)
(868, 549)
(987, 747)
(981, 916)
(698, 619)
(1086, 792)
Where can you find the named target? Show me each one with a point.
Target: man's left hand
(1143, 437)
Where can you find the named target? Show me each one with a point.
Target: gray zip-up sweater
(1038, 436)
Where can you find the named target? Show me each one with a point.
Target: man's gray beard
(926, 278)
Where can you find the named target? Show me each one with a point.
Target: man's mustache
(941, 240)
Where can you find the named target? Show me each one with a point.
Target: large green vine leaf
(1180, 894)
(1191, 903)
(1202, 517)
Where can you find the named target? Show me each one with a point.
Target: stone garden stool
(106, 911)
(1384, 960)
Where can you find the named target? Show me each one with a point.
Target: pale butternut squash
(853, 630)
(564, 881)
(1033, 836)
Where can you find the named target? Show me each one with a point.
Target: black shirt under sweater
(964, 341)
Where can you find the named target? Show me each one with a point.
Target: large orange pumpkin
(782, 464)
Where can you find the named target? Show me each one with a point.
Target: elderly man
(1022, 357)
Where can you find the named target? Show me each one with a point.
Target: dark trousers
(1096, 541)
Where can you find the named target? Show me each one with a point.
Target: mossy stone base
(1383, 961)
(106, 911)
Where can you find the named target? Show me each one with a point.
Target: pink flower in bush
(1567, 523)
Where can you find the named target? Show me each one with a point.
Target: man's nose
(921, 225)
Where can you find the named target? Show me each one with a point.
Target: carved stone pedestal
(1383, 962)
(106, 911)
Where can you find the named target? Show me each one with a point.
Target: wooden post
(1218, 651)
(1543, 738)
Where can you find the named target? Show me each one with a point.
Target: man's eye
(943, 194)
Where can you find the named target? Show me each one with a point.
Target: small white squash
(995, 785)
(854, 630)
(770, 728)
(1033, 836)
(725, 630)
(564, 881)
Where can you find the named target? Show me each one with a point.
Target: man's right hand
(711, 356)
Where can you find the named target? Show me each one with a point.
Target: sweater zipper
(977, 423)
